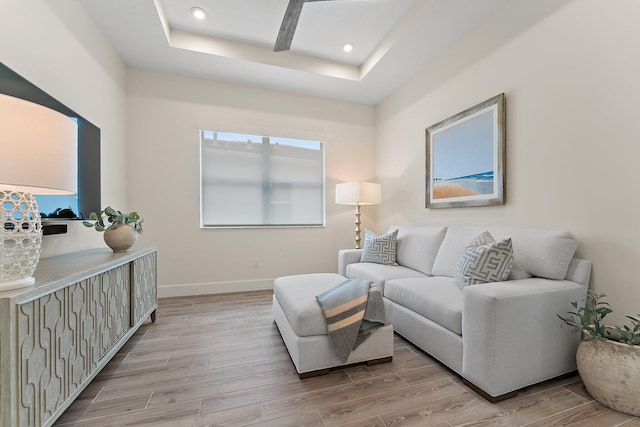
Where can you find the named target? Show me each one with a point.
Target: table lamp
(358, 193)
(38, 155)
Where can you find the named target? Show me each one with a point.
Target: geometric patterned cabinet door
(144, 292)
(62, 337)
(48, 332)
(58, 334)
(111, 299)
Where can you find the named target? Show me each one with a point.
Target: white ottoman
(303, 329)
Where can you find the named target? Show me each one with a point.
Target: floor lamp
(38, 155)
(358, 193)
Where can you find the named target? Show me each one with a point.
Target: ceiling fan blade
(288, 26)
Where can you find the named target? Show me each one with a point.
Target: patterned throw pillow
(379, 249)
(484, 261)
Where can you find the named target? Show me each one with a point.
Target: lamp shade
(38, 148)
(358, 193)
(38, 155)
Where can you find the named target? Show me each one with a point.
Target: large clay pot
(120, 239)
(611, 372)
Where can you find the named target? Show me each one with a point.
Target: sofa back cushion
(452, 248)
(541, 253)
(417, 247)
(537, 252)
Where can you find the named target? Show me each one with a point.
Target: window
(260, 181)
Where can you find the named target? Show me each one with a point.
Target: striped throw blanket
(353, 310)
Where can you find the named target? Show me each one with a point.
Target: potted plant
(120, 229)
(608, 357)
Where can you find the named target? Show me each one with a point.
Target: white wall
(572, 87)
(571, 81)
(56, 46)
(164, 112)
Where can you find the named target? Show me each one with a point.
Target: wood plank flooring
(218, 360)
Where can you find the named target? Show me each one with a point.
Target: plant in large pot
(120, 229)
(608, 357)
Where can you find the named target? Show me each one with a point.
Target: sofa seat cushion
(380, 272)
(439, 299)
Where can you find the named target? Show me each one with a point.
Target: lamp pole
(358, 226)
(358, 193)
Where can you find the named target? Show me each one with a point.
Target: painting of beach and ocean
(465, 162)
(464, 157)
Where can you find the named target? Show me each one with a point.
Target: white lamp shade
(358, 193)
(38, 148)
(38, 155)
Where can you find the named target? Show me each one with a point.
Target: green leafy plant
(589, 318)
(111, 218)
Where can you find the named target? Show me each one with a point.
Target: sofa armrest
(346, 257)
(579, 271)
(512, 336)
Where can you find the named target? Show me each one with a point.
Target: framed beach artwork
(465, 157)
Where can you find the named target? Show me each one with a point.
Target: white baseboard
(214, 288)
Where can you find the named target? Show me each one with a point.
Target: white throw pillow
(379, 249)
(485, 261)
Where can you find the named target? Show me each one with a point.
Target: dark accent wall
(11, 83)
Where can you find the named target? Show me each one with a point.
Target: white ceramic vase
(120, 239)
(610, 372)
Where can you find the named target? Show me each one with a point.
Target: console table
(58, 334)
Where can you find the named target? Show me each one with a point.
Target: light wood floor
(218, 360)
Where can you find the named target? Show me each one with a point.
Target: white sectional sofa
(499, 336)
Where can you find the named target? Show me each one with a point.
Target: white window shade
(256, 181)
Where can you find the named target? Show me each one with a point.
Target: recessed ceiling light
(348, 47)
(198, 13)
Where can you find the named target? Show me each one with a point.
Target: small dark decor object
(61, 213)
(120, 230)
(608, 357)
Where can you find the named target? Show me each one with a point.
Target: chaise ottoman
(302, 326)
